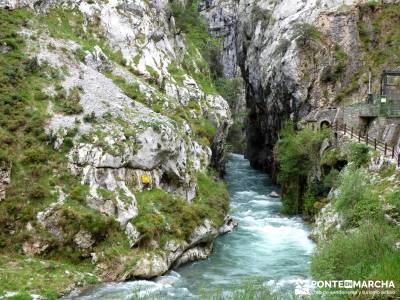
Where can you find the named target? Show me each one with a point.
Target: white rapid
(267, 248)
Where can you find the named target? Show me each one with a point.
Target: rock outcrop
(198, 247)
(133, 117)
(5, 178)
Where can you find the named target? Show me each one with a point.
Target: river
(267, 248)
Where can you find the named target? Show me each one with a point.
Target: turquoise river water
(267, 247)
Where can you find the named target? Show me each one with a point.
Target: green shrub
(68, 104)
(331, 73)
(331, 179)
(132, 90)
(202, 60)
(176, 72)
(184, 15)
(164, 216)
(21, 296)
(230, 89)
(364, 254)
(296, 152)
(212, 197)
(204, 129)
(356, 199)
(306, 32)
(368, 6)
(331, 157)
(358, 154)
(32, 65)
(309, 201)
(36, 155)
(393, 198)
(236, 137)
(90, 118)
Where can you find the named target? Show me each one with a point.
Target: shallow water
(267, 247)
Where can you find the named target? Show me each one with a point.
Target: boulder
(194, 254)
(84, 240)
(229, 225)
(133, 234)
(273, 194)
(98, 60)
(34, 246)
(5, 178)
(149, 266)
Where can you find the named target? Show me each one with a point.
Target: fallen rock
(34, 247)
(274, 194)
(228, 226)
(133, 234)
(327, 222)
(5, 178)
(203, 233)
(194, 254)
(84, 240)
(98, 60)
(150, 265)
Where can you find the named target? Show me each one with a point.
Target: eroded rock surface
(285, 69)
(125, 109)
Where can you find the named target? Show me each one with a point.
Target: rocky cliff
(297, 57)
(129, 125)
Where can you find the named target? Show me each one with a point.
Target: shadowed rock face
(283, 70)
(218, 149)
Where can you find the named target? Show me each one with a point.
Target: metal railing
(392, 152)
(378, 105)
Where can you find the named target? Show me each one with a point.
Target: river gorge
(266, 247)
(118, 120)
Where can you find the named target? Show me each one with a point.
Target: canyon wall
(296, 57)
(133, 132)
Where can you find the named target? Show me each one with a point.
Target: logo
(302, 288)
(307, 287)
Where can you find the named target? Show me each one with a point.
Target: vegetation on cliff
(41, 174)
(37, 169)
(298, 155)
(164, 216)
(193, 26)
(366, 246)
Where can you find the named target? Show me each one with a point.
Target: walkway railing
(389, 108)
(392, 152)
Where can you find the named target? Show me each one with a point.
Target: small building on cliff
(378, 117)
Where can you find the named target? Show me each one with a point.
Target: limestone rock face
(284, 70)
(128, 102)
(229, 225)
(194, 254)
(133, 234)
(198, 247)
(149, 266)
(218, 149)
(327, 222)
